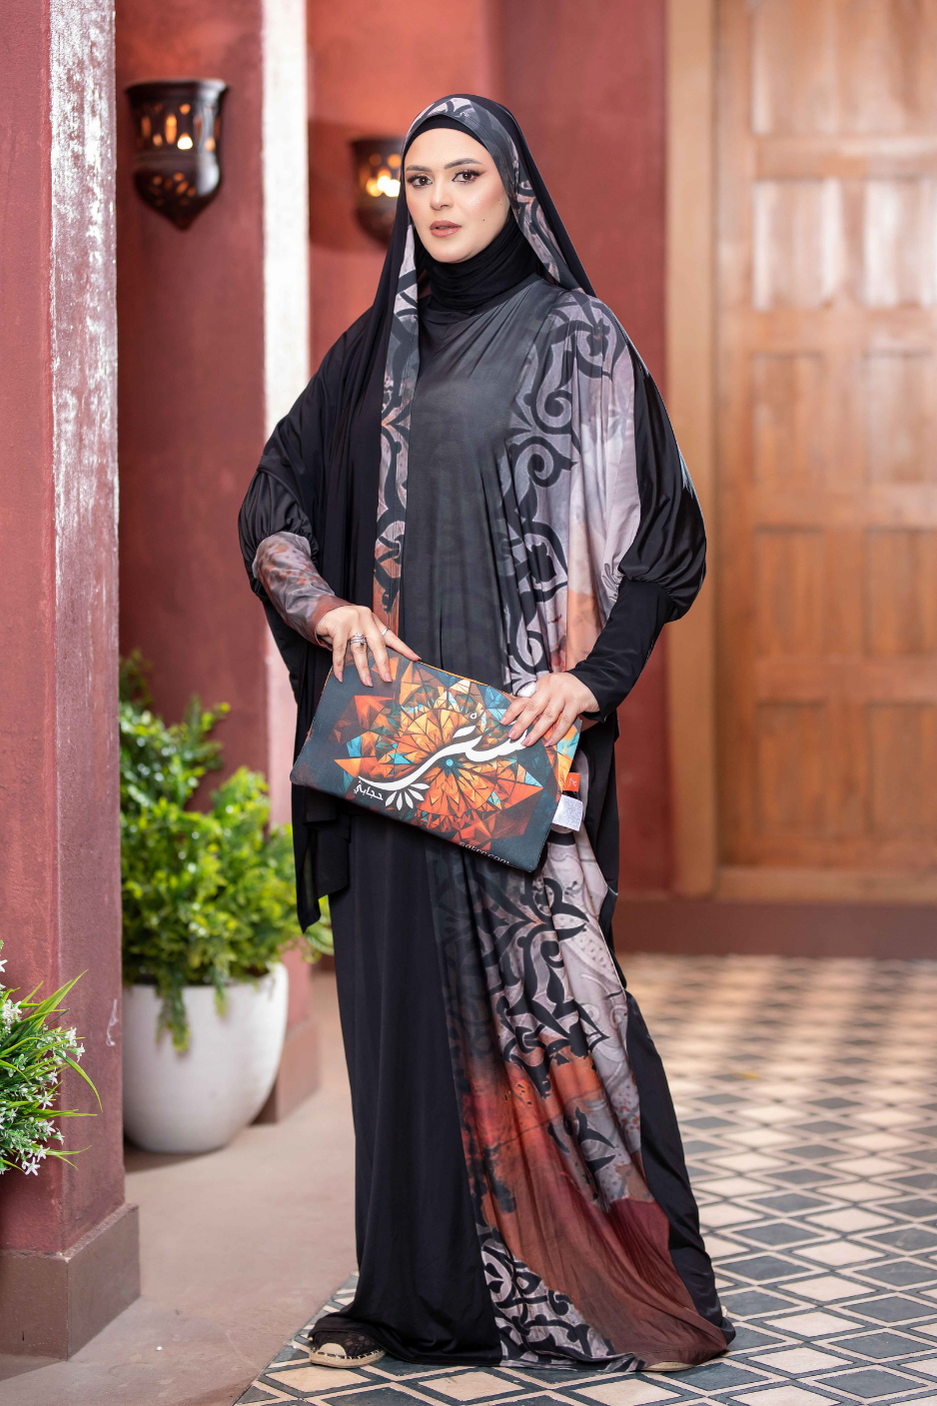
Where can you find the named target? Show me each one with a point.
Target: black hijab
(464, 287)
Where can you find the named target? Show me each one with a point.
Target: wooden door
(826, 465)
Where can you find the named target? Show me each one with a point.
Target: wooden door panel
(827, 460)
(900, 401)
(790, 567)
(787, 407)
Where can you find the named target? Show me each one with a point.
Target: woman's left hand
(554, 705)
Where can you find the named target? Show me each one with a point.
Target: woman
(482, 475)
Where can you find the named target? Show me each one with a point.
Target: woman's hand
(338, 625)
(554, 704)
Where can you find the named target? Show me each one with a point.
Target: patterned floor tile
(474, 1386)
(828, 1288)
(807, 1094)
(626, 1393)
(870, 1384)
(784, 1396)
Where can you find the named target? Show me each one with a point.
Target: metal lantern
(378, 177)
(176, 167)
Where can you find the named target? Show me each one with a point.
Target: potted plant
(33, 1054)
(208, 907)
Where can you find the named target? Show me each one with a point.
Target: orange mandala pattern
(435, 753)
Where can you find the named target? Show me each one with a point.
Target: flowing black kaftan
(521, 1192)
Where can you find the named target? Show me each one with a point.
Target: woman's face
(454, 194)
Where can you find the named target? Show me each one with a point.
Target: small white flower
(3, 965)
(78, 1051)
(31, 1168)
(71, 1036)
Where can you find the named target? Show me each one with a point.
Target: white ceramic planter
(198, 1099)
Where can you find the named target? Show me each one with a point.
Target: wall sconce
(176, 167)
(377, 177)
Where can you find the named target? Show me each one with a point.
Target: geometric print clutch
(429, 749)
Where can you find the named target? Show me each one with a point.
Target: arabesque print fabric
(575, 1248)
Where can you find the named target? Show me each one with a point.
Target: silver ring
(384, 629)
(358, 638)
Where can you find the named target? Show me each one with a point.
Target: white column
(286, 302)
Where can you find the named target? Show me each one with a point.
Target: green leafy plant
(33, 1054)
(208, 896)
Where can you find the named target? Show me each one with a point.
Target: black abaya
(421, 1290)
(521, 1187)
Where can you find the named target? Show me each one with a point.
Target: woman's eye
(417, 180)
(467, 177)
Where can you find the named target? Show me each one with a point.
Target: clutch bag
(429, 749)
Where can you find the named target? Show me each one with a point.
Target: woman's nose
(439, 200)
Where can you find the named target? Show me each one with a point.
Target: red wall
(587, 85)
(190, 398)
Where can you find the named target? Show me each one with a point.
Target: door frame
(690, 289)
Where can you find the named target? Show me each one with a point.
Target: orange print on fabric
(430, 749)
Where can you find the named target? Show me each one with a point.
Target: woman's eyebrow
(466, 161)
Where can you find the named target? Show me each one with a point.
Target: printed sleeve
(269, 507)
(654, 558)
(669, 545)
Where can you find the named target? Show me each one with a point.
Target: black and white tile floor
(807, 1092)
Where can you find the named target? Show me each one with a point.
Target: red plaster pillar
(587, 84)
(68, 1243)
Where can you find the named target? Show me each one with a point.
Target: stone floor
(807, 1092)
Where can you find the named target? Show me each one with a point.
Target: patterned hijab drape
(495, 128)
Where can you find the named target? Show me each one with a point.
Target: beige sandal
(342, 1347)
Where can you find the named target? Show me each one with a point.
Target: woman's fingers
(549, 709)
(339, 644)
(544, 722)
(562, 725)
(378, 647)
(359, 652)
(395, 643)
(530, 711)
(339, 627)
